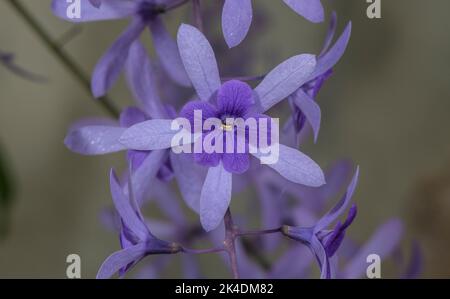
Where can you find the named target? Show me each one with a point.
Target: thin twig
(229, 242)
(54, 47)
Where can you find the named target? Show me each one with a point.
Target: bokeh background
(386, 108)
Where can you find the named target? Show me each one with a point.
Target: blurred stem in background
(57, 50)
(6, 194)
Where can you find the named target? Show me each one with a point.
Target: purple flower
(324, 242)
(136, 239)
(144, 13)
(236, 99)
(237, 17)
(303, 101)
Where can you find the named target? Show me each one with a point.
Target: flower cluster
(184, 83)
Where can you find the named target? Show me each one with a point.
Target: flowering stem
(259, 232)
(55, 48)
(229, 242)
(202, 251)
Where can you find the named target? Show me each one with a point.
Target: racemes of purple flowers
(292, 194)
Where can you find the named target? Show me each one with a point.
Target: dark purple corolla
(143, 14)
(324, 242)
(237, 16)
(136, 239)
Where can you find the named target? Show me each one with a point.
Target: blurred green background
(387, 108)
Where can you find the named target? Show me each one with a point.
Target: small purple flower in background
(98, 138)
(323, 242)
(144, 13)
(136, 239)
(237, 17)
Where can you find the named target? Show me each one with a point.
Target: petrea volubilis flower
(303, 101)
(237, 16)
(136, 239)
(143, 13)
(324, 242)
(236, 99)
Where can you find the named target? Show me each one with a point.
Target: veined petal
(236, 20)
(126, 211)
(296, 166)
(154, 134)
(143, 176)
(312, 10)
(141, 80)
(284, 80)
(215, 197)
(322, 258)
(199, 61)
(330, 58)
(340, 207)
(310, 109)
(167, 50)
(111, 9)
(120, 259)
(95, 140)
(111, 64)
(330, 33)
(190, 185)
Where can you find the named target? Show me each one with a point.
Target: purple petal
(310, 109)
(322, 258)
(125, 210)
(333, 242)
(236, 163)
(199, 61)
(340, 207)
(111, 9)
(96, 3)
(285, 79)
(297, 167)
(141, 79)
(330, 34)
(215, 197)
(312, 10)
(236, 20)
(190, 184)
(234, 98)
(95, 140)
(111, 64)
(121, 259)
(154, 134)
(208, 111)
(167, 50)
(131, 116)
(143, 176)
(329, 60)
(383, 242)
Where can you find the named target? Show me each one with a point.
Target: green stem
(54, 47)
